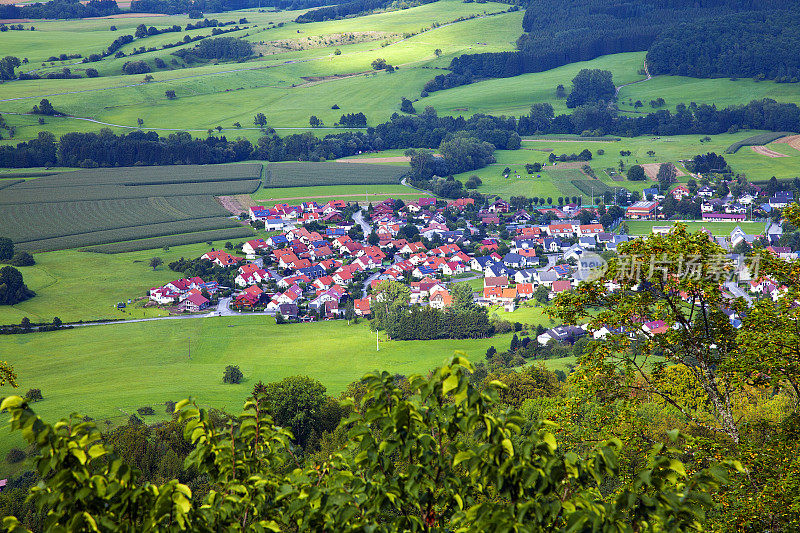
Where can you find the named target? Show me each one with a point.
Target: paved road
(358, 218)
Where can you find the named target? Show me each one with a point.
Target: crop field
(140, 231)
(304, 174)
(102, 206)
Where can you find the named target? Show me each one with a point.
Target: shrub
(135, 67)
(170, 406)
(22, 259)
(34, 395)
(232, 375)
(15, 455)
(146, 410)
(92, 73)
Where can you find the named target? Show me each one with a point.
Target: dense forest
(60, 9)
(759, 45)
(751, 35)
(426, 130)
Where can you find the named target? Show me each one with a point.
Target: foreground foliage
(441, 458)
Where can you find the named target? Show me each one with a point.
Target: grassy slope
(722, 92)
(100, 359)
(514, 96)
(270, 89)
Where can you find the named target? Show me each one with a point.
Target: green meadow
(107, 372)
(362, 194)
(288, 86)
(720, 91)
(554, 181)
(645, 227)
(514, 96)
(106, 360)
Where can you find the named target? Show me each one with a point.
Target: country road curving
(648, 78)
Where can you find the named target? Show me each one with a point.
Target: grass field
(324, 193)
(554, 182)
(514, 96)
(720, 91)
(276, 84)
(645, 227)
(526, 313)
(108, 371)
(110, 205)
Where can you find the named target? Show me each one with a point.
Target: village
(325, 261)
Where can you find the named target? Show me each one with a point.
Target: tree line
(426, 130)
(222, 48)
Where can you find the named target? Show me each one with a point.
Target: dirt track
(763, 150)
(791, 140)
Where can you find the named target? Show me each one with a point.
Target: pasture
(304, 174)
(720, 91)
(553, 181)
(107, 372)
(103, 206)
(514, 96)
(645, 227)
(288, 86)
(362, 194)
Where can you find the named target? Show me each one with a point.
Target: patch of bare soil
(651, 169)
(236, 205)
(791, 140)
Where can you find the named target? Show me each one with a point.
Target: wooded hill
(679, 33)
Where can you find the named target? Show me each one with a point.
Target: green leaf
(450, 383)
(508, 447)
(463, 456)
